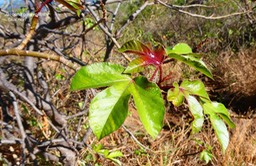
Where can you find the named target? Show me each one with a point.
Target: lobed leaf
(197, 64)
(149, 103)
(109, 109)
(98, 75)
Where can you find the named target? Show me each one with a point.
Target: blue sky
(16, 4)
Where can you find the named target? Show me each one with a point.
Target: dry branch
(212, 17)
(35, 54)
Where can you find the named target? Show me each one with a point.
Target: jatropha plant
(109, 108)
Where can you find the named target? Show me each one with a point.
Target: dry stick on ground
(135, 139)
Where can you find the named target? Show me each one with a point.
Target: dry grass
(175, 146)
(238, 71)
(235, 78)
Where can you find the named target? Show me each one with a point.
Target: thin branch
(193, 6)
(50, 110)
(106, 31)
(133, 16)
(85, 112)
(5, 85)
(212, 17)
(135, 139)
(60, 52)
(30, 34)
(37, 55)
(20, 125)
(114, 16)
(10, 142)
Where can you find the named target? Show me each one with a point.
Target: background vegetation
(54, 121)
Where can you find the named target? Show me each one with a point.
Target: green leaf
(175, 95)
(222, 111)
(135, 66)
(197, 64)
(109, 109)
(206, 156)
(196, 55)
(197, 112)
(97, 147)
(195, 87)
(150, 105)
(218, 125)
(180, 48)
(98, 75)
(115, 154)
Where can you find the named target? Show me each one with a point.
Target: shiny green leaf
(195, 87)
(109, 109)
(175, 95)
(197, 64)
(98, 75)
(149, 103)
(197, 112)
(218, 125)
(115, 154)
(221, 111)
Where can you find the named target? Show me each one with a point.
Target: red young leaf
(149, 55)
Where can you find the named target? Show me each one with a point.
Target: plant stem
(154, 74)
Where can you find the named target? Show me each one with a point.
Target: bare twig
(5, 85)
(114, 16)
(10, 142)
(193, 6)
(87, 135)
(30, 34)
(106, 31)
(135, 139)
(20, 125)
(37, 55)
(132, 17)
(212, 17)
